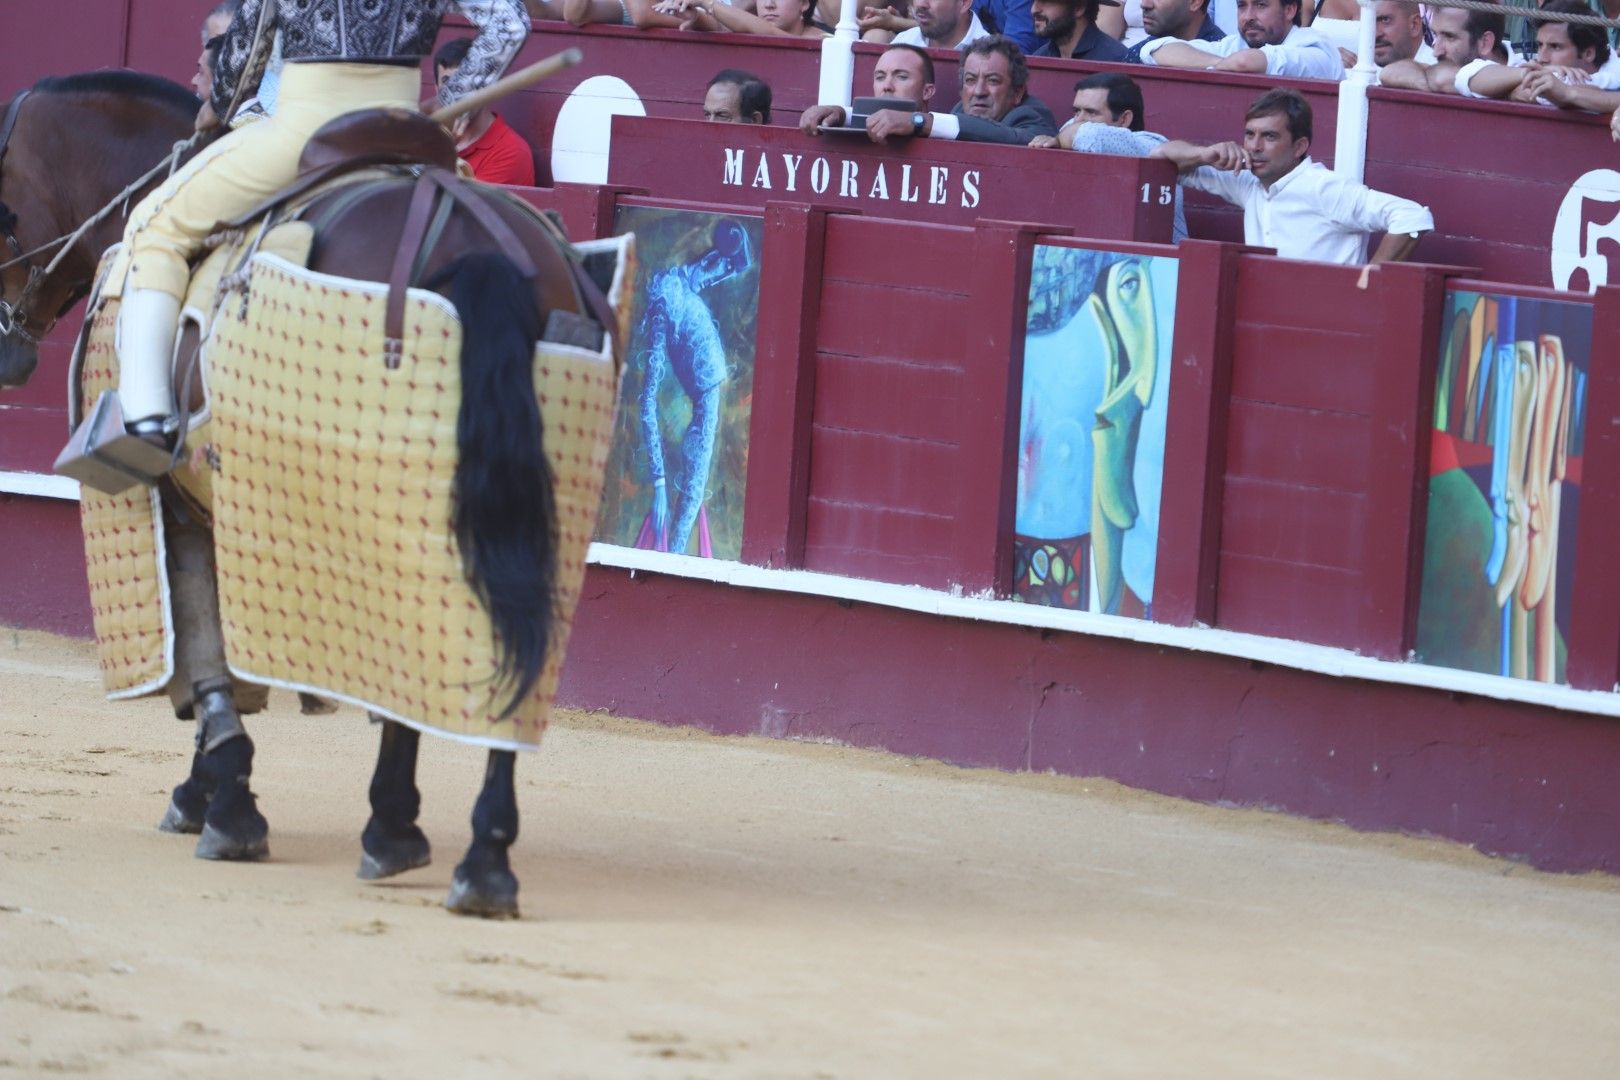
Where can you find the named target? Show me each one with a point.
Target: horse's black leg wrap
(392, 843)
(484, 883)
(233, 828)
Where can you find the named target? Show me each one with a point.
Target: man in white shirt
(1290, 202)
(1464, 41)
(1267, 43)
(934, 24)
(1398, 35)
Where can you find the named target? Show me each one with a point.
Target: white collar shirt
(914, 36)
(1303, 54)
(1312, 213)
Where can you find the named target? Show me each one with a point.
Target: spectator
(1565, 52)
(934, 24)
(219, 19)
(1463, 40)
(1010, 18)
(903, 72)
(1111, 118)
(1290, 202)
(495, 153)
(995, 105)
(1068, 28)
(1397, 35)
(737, 97)
(776, 18)
(1268, 42)
(1183, 20)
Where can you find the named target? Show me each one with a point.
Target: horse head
(69, 147)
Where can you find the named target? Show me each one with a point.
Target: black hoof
(217, 844)
(176, 820)
(385, 855)
(234, 829)
(187, 806)
(492, 896)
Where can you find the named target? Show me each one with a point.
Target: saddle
(358, 150)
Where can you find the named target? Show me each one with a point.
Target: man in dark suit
(995, 106)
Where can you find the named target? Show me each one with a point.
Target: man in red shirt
(495, 153)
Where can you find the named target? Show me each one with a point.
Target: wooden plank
(1303, 367)
(883, 394)
(1286, 444)
(903, 324)
(913, 475)
(1294, 524)
(1288, 600)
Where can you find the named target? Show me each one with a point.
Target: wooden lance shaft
(514, 82)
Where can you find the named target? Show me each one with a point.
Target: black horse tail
(504, 507)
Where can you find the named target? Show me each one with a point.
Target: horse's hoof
(176, 820)
(215, 844)
(395, 858)
(494, 898)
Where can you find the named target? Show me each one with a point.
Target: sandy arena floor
(697, 906)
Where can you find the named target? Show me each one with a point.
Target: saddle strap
(417, 218)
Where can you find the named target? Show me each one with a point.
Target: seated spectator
(736, 97)
(903, 72)
(995, 105)
(1462, 39)
(1184, 20)
(1068, 28)
(776, 18)
(1397, 35)
(642, 14)
(1268, 42)
(1110, 118)
(495, 153)
(934, 24)
(1565, 52)
(1290, 202)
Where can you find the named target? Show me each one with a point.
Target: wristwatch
(918, 122)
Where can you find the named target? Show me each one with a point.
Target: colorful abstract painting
(680, 451)
(1091, 439)
(1505, 485)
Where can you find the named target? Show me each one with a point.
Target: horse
(76, 144)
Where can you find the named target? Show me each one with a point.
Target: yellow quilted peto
(337, 569)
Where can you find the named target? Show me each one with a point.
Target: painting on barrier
(1091, 436)
(680, 449)
(1505, 485)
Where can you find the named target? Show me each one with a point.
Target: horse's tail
(504, 509)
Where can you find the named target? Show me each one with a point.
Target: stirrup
(106, 455)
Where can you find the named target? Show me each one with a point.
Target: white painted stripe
(47, 487)
(1320, 659)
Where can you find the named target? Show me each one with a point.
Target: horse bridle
(12, 319)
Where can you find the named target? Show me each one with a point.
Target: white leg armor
(147, 322)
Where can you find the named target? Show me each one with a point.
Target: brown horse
(78, 141)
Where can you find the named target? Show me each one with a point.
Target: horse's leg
(484, 884)
(392, 843)
(232, 827)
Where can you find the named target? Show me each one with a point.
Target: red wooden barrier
(1115, 198)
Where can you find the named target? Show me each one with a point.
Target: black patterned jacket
(369, 30)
